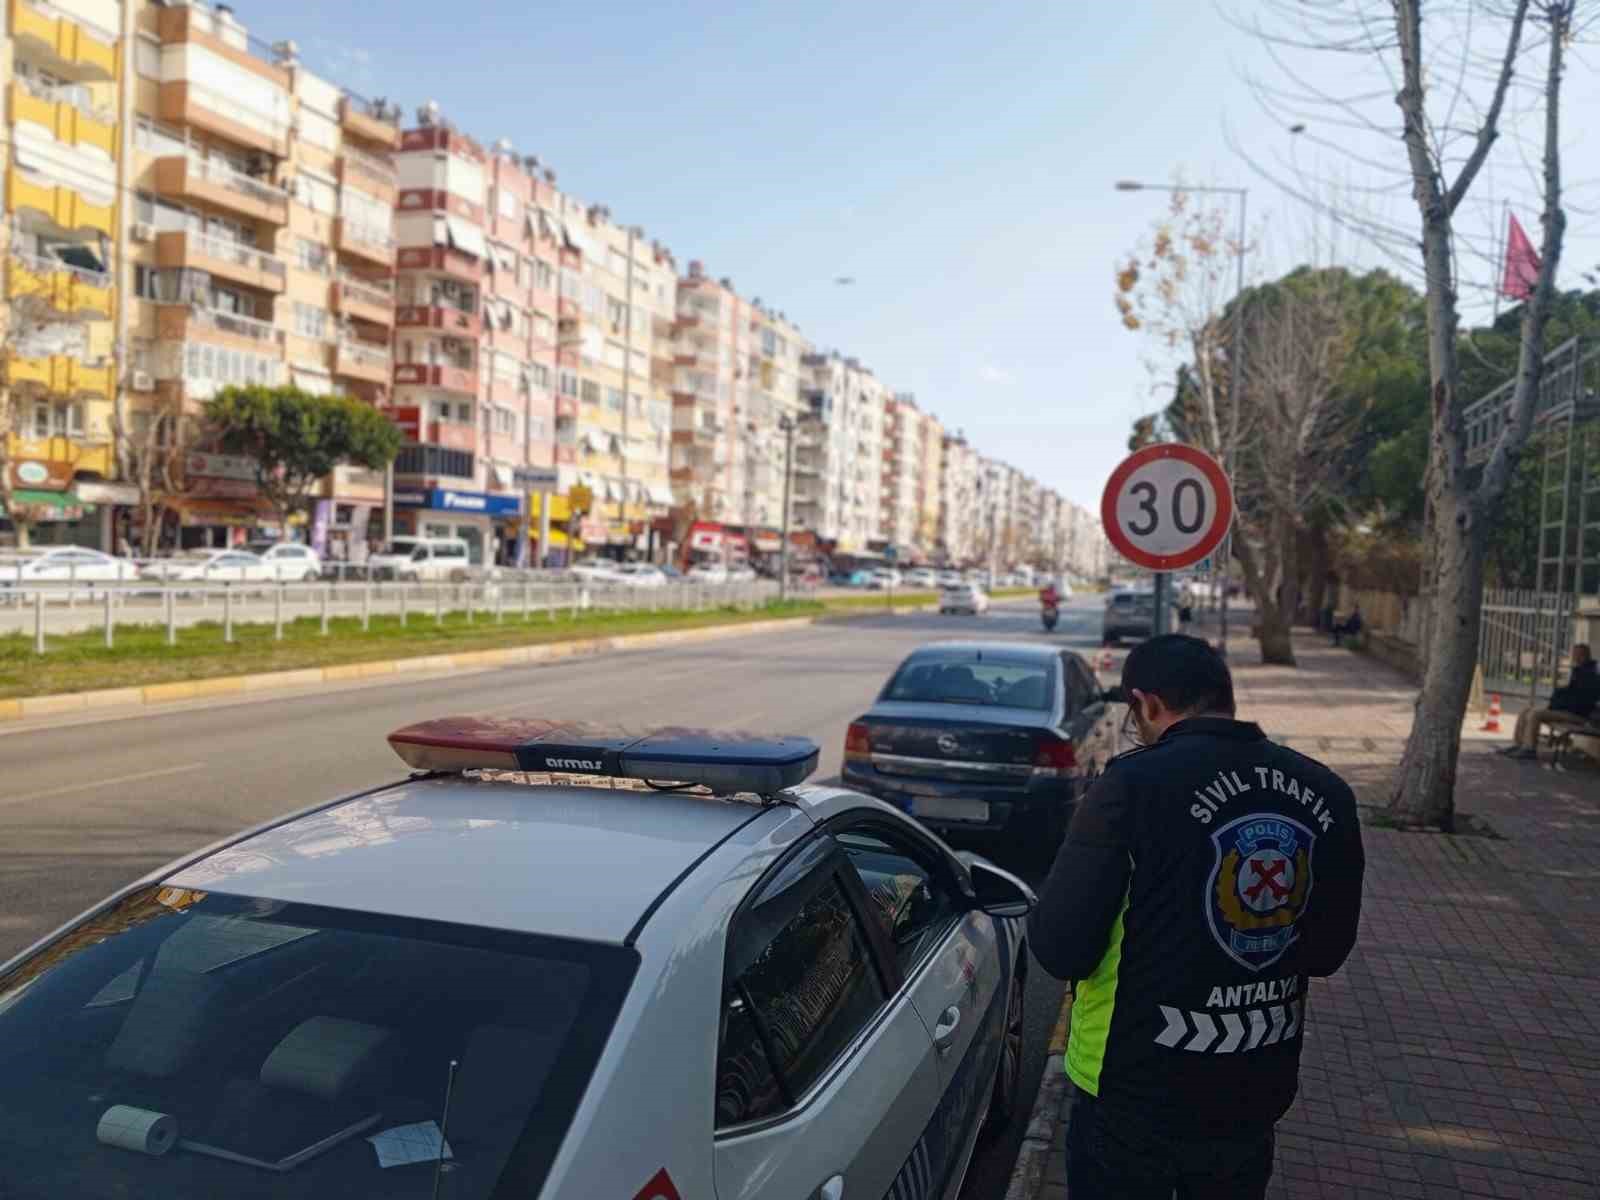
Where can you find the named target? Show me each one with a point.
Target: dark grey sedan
(986, 737)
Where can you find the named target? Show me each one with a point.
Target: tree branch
(1489, 130)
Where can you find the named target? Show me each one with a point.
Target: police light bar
(720, 759)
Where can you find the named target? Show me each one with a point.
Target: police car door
(956, 963)
(826, 1077)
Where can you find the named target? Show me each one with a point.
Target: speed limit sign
(1167, 506)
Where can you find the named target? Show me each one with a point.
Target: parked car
(708, 573)
(922, 577)
(422, 560)
(598, 570)
(641, 575)
(289, 560)
(210, 566)
(63, 564)
(883, 578)
(741, 574)
(831, 1000)
(966, 598)
(949, 578)
(1129, 613)
(986, 737)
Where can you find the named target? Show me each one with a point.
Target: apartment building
(626, 303)
(906, 482)
(959, 513)
(930, 494)
(62, 159)
(703, 434)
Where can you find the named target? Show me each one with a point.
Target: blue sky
(955, 159)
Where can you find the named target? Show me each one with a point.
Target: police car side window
(799, 985)
(913, 904)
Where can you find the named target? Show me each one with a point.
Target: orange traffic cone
(1492, 725)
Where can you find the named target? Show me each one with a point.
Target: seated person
(1348, 627)
(1570, 707)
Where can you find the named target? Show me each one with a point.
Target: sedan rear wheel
(1007, 1098)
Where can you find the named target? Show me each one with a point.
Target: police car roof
(573, 861)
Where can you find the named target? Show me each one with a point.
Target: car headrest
(326, 1057)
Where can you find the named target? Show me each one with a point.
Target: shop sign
(46, 476)
(450, 500)
(768, 543)
(538, 479)
(408, 420)
(220, 466)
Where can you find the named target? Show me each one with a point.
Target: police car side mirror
(999, 893)
(1113, 695)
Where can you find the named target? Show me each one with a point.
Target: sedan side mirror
(999, 893)
(1113, 695)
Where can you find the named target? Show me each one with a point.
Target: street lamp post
(785, 423)
(1236, 363)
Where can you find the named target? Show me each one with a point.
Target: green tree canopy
(296, 438)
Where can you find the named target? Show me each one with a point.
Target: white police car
(624, 988)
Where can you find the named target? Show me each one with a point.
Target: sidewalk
(1458, 1052)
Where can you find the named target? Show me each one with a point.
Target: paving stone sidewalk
(1457, 1053)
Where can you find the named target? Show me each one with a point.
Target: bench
(1560, 737)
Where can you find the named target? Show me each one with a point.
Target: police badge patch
(1258, 886)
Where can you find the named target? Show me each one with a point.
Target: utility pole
(627, 375)
(786, 423)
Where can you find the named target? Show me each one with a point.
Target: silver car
(477, 982)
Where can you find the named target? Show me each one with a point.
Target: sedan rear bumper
(1020, 810)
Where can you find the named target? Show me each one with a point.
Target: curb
(1048, 1117)
(30, 707)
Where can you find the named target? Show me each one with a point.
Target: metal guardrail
(45, 610)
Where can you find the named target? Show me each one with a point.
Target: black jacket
(1582, 692)
(1202, 880)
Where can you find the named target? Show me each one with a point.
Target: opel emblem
(948, 744)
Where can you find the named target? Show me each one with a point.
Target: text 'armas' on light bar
(721, 759)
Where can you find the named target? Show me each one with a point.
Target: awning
(57, 501)
(94, 491)
(575, 238)
(614, 489)
(587, 443)
(502, 476)
(77, 254)
(465, 236)
(505, 256)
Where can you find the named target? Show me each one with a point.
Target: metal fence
(1524, 640)
(55, 610)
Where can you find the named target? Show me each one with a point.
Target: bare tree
(151, 447)
(1451, 77)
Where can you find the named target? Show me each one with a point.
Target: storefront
(221, 505)
(445, 512)
(710, 542)
(53, 515)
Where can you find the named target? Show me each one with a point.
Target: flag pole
(1502, 244)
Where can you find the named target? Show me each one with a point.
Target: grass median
(81, 662)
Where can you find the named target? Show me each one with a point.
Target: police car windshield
(191, 1045)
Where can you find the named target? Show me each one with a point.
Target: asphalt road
(87, 805)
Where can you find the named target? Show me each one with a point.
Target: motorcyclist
(1048, 596)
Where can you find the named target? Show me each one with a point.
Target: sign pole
(544, 529)
(1160, 624)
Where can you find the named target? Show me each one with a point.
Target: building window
(434, 460)
(540, 374)
(544, 275)
(614, 399)
(536, 428)
(505, 421)
(569, 384)
(311, 256)
(508, 204)
(591, 392)
(310, 321)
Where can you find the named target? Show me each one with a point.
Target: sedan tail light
(1053, 756)
(857, 745)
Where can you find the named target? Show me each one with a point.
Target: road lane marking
(90, 784)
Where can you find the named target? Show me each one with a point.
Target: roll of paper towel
(137, 1129)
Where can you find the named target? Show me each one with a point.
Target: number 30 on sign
(1167, 507)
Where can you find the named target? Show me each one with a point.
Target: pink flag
(1522, 264)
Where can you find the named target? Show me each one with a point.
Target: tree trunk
(1317, 572)
(1277, 646)
(1424, 787)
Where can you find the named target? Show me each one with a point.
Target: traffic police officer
(1203, 879)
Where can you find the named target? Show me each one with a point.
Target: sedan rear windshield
(191, 1045)
(937, 679)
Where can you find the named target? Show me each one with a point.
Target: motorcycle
(1049, 615)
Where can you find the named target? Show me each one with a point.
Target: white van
(422, 560)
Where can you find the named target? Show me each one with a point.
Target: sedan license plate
(949, 808)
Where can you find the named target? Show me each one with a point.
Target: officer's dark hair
(1185, 672)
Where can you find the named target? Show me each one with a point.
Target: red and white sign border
(1215, 532)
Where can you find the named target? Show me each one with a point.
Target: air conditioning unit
(143, 231)
(143, 381)
(454, 345)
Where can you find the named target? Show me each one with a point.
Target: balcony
(365, 242)
(567, 408)
(65, 114)
(362, 360)
(445, 376)
(69, 290)
(61, 375)
(188, 323)
(453, 435)
(186, 103)
(66, 211)
(442, 260)
(363, 119)
(74, 48)
(229, 260)
(442, 317)
(363, 301)
(368, 173)
(214, 182)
